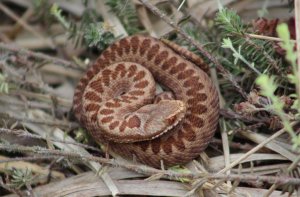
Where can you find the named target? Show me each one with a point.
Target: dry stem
(38, 56)
(267, 38)
(11, 14)
(56, 123)
(259, 146)
(171, 175)
(22, 133)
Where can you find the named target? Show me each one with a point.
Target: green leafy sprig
(260, 52)
(88, 32)
(268, 85)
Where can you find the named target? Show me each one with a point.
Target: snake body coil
(116, 102)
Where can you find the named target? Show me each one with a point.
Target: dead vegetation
(47, 45)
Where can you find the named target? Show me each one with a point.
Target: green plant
(291, 57)
(95, 35)
(260, 52)
(268, 86)
(21, 177)
(57, 12)
(81, 136)
(4, 86)
(227, 44)
(88, 32)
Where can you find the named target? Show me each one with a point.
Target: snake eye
(171, 120)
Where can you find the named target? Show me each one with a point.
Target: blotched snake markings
(116, 102)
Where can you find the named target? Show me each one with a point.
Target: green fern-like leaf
(260, 52)
(229, 22)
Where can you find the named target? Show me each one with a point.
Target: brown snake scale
(116, 102)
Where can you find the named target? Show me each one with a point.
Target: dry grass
(38, 131)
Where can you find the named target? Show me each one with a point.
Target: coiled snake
(115, 100)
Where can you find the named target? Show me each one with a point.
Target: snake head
(159, 118)
(148, 122)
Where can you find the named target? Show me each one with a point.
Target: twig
(271, 190)
(228, 113)
(15, 30)
(57, 123)
(12, 15)
(226, 150)
(22, 133)
(289, 169)
(38, 56)
(27, 104)
(44, 151)
(234, 145)
(267, 38)
(49, 98)
(259, 146)
(33, 158)
(2, 184)
(172, 175)
(29, 189)
(212, 59)
(250, 178)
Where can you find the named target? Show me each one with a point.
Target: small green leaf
(292, 78)
(180, 169)
(296, 142)
(4, 86)
(267, 85)
(294, 95)
(286, 44)
(236, 59)
(283, 32)
(226, 43)
(295, 104)
(56, 11)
